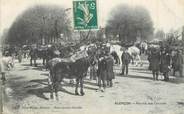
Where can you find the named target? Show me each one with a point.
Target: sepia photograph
(91, 56)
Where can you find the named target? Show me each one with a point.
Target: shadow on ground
(39, 92)
(28, 66)
(176, 80)
(135, 76)
(17, 86)
(139, 69)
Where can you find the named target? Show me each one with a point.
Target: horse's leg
(43, 61)
(90, 73)
(46, 65)
(119, 61)
(123, 69)
(51, 90)
(81, 85)
(50, 83)
(76, 87)
(126, 66)
(12, 65)
(136, 62)
(56, 90)
(140, 61)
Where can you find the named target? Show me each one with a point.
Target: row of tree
(39, 24)
(46, 23)
(130, 23)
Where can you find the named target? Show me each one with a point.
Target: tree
(129, 23)
(39, 23)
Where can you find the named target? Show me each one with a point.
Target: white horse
(118, 50)
(8, 62)
(133, 51)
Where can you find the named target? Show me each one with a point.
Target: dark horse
(44, 53)
(68, 69)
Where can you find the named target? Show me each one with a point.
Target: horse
(67, 68)
(135, 54)
(6, 64)
(132, 50)
(116, 51)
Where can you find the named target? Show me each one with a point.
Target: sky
(166, 14)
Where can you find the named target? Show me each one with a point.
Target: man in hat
(109, 69)
(155, 62)
(125, 58)
(165, 64)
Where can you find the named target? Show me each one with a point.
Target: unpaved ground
(27, 92)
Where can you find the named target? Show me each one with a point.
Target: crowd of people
(164, 60)
(161, 60)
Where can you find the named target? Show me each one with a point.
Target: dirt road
(26, 92)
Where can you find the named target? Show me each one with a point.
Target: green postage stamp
(85, 14)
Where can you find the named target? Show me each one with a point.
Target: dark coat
(105, 68)
(125, 58)
(177, 61)
(34, 53)
(155, 61)
(109, 68)
(102, 66)
(165, 63)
